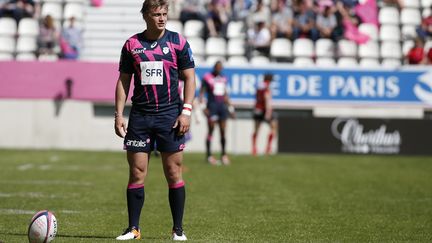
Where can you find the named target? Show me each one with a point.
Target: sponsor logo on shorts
(136, 143)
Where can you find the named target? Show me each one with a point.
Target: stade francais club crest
(165, 50)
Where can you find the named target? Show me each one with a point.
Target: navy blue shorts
(144, 130)
(218, 111)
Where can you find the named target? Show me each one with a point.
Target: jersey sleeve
(185, 57)
(126, 61)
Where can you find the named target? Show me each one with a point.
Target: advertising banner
(293, 86)
(355, 136)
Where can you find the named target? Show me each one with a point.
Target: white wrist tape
(186, 112)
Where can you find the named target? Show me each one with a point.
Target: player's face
(156, 19)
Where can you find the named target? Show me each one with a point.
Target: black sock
(177, 196)
(223, 145)
(208, 144)
(135, 200)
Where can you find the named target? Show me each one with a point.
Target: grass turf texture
(281, 198)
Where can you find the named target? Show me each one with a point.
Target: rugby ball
(43, 227)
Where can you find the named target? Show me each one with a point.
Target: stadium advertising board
(293, 87)
(357, 136)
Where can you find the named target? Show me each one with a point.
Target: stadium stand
(106, 28)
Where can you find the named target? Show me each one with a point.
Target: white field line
(35, 195)
(12, 211)
(46, 182)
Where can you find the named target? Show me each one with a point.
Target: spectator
(282, 22)
(18, 9)
(192, 10)
(48, 36)
(217, 19)
(327, 23)
(240, 9)
(304, 23)
(416, 55)
(425, 29)
(72, 37)
(350, 22)
(259, 12)
(259, 39)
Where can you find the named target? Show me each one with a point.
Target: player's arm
(121, 93)
(183, 121)
(227, 101)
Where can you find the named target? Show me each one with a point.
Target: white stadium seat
(303, 48)
(391, 63)
(28, 26)
(8, 26)
(236, 47)
(406, 46)
(410, 16)
(347, 62)
(235, 29)
(388, 15)
(303, 62)
(411, 3)
(238, 60)
(391, 49)
(198, 45)
(325, 62)
(390, 33)
(7, 44)
(53, 9)
(426, 3)
(369, 29)
(369, 63)
(73, 10)
(175, 25)
(408, 32)
(26, 44)
(211, 60)
(347, 48)
(215, 46)
(26, 56)
(369, 50)
(257, 60)
(324, 48)
(193, 28)
(6, 56)
(281, 49)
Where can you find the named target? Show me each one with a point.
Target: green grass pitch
(280, 198)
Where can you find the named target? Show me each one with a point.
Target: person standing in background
(263, 112)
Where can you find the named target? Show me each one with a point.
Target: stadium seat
(26, 44)
(426, 3)
(175, 25)
(53, 9)
(257, 60)
(388, 15)
(280, 49)
(215, 46)
(238, 60)
(26, 56)
(428, 45)
(369, 29)
(236, 47)
(389, 33)
(325, 62)
(369, 63)
(193, 28)
(28, 27)
(303, 48)
(236, 29)
(369, 50)
(198, 45)
(8, 26)
(391, 63)
(74, 10)
(347, 62)
(410, 16)
(7, 44)
(6, 56)
(408, 32)
(391, 49)
(406, 46)
(303, 62)
(426, 12)
(48, 58)
(211, 60)
(411, 3)
(324, 48)
(347, 48)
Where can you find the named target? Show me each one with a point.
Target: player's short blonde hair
(151, 4)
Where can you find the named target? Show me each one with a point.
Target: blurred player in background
(157, 58)
(217, 110)
(263, 112)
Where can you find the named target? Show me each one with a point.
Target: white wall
(35, 124)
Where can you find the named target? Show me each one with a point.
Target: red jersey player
(263, 112)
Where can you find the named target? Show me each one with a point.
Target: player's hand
(182, 124)
(206, 112)
(120, 126)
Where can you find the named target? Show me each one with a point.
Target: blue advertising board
(405, 86)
